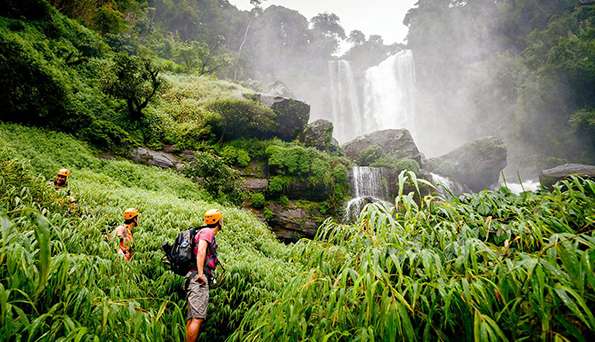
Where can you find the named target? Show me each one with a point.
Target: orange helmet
(64, 172)
(130, 213)
(213, 216)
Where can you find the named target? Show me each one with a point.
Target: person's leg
(198, 301)
(193, 329)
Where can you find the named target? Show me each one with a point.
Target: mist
(471, 75)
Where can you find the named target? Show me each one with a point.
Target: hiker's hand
(201, 278)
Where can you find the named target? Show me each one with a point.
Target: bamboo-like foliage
(60, 278)
(490, 266)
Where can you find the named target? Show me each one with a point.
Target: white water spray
(369, 182)
(389, 94)
(528, 186)
(344, 100)
(446, 185)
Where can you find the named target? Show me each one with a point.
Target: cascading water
(344, 100)
(528, 186)
(369, 186)
(446, 185)
(389, 94)
(369, 181)
(388, 97)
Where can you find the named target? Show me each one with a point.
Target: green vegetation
(220, 180)
(257, 200)
(492, 266)
(120, 73)
(397, 165)
(243, 119)
(59, 275)
(318, 176)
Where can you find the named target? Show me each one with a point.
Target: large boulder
(395, 143)
(292, 115)
(279, 88)
(161, 159)
(551, 176)
(256, 184)
(476, 165)
(319, 134)
(292, 223)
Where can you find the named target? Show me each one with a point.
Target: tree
(328, 23)
(376, 39)
(357, 37)
(196, 57)
(134, 79)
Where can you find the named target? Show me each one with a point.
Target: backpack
(180, 256)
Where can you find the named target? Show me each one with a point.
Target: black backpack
(180, 256)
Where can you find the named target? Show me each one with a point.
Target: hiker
(60, 184)
(201, 274)
(123, 233)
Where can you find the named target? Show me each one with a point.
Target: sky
(383, 17)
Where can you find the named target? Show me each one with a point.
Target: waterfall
(446, 185)
(528, 186)
(345, 105)
(388, 97)
(369, 182)
(389, 94)
(356, 205)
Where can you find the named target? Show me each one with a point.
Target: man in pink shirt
(198, 279)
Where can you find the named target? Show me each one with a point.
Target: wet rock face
(551, 176)
(161, 159)
(396, 143)
(292, 223)
(256, 184)
(292, 115)
(319, 134)
(476, 165)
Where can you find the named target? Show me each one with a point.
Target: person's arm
(200, 260)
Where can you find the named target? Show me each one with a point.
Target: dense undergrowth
(490, 267)
(59, 275)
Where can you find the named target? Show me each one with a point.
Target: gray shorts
(198, 298)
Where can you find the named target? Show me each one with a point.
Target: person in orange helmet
(60, 184)
(61, 179)
(124, 233)
(199, 278)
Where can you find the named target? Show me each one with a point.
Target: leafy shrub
(397, 165)
(235, 156)
(278, 184)
(243, 119)
(268, 214)
(106, 134)
(257, 200)
(369, 155)
(31, 90)
(284, 201)
(218, 179)
(256, 148)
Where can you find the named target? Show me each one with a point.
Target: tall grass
(491, 266)
(59, 275)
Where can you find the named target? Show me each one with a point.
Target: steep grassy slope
(59, 274)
